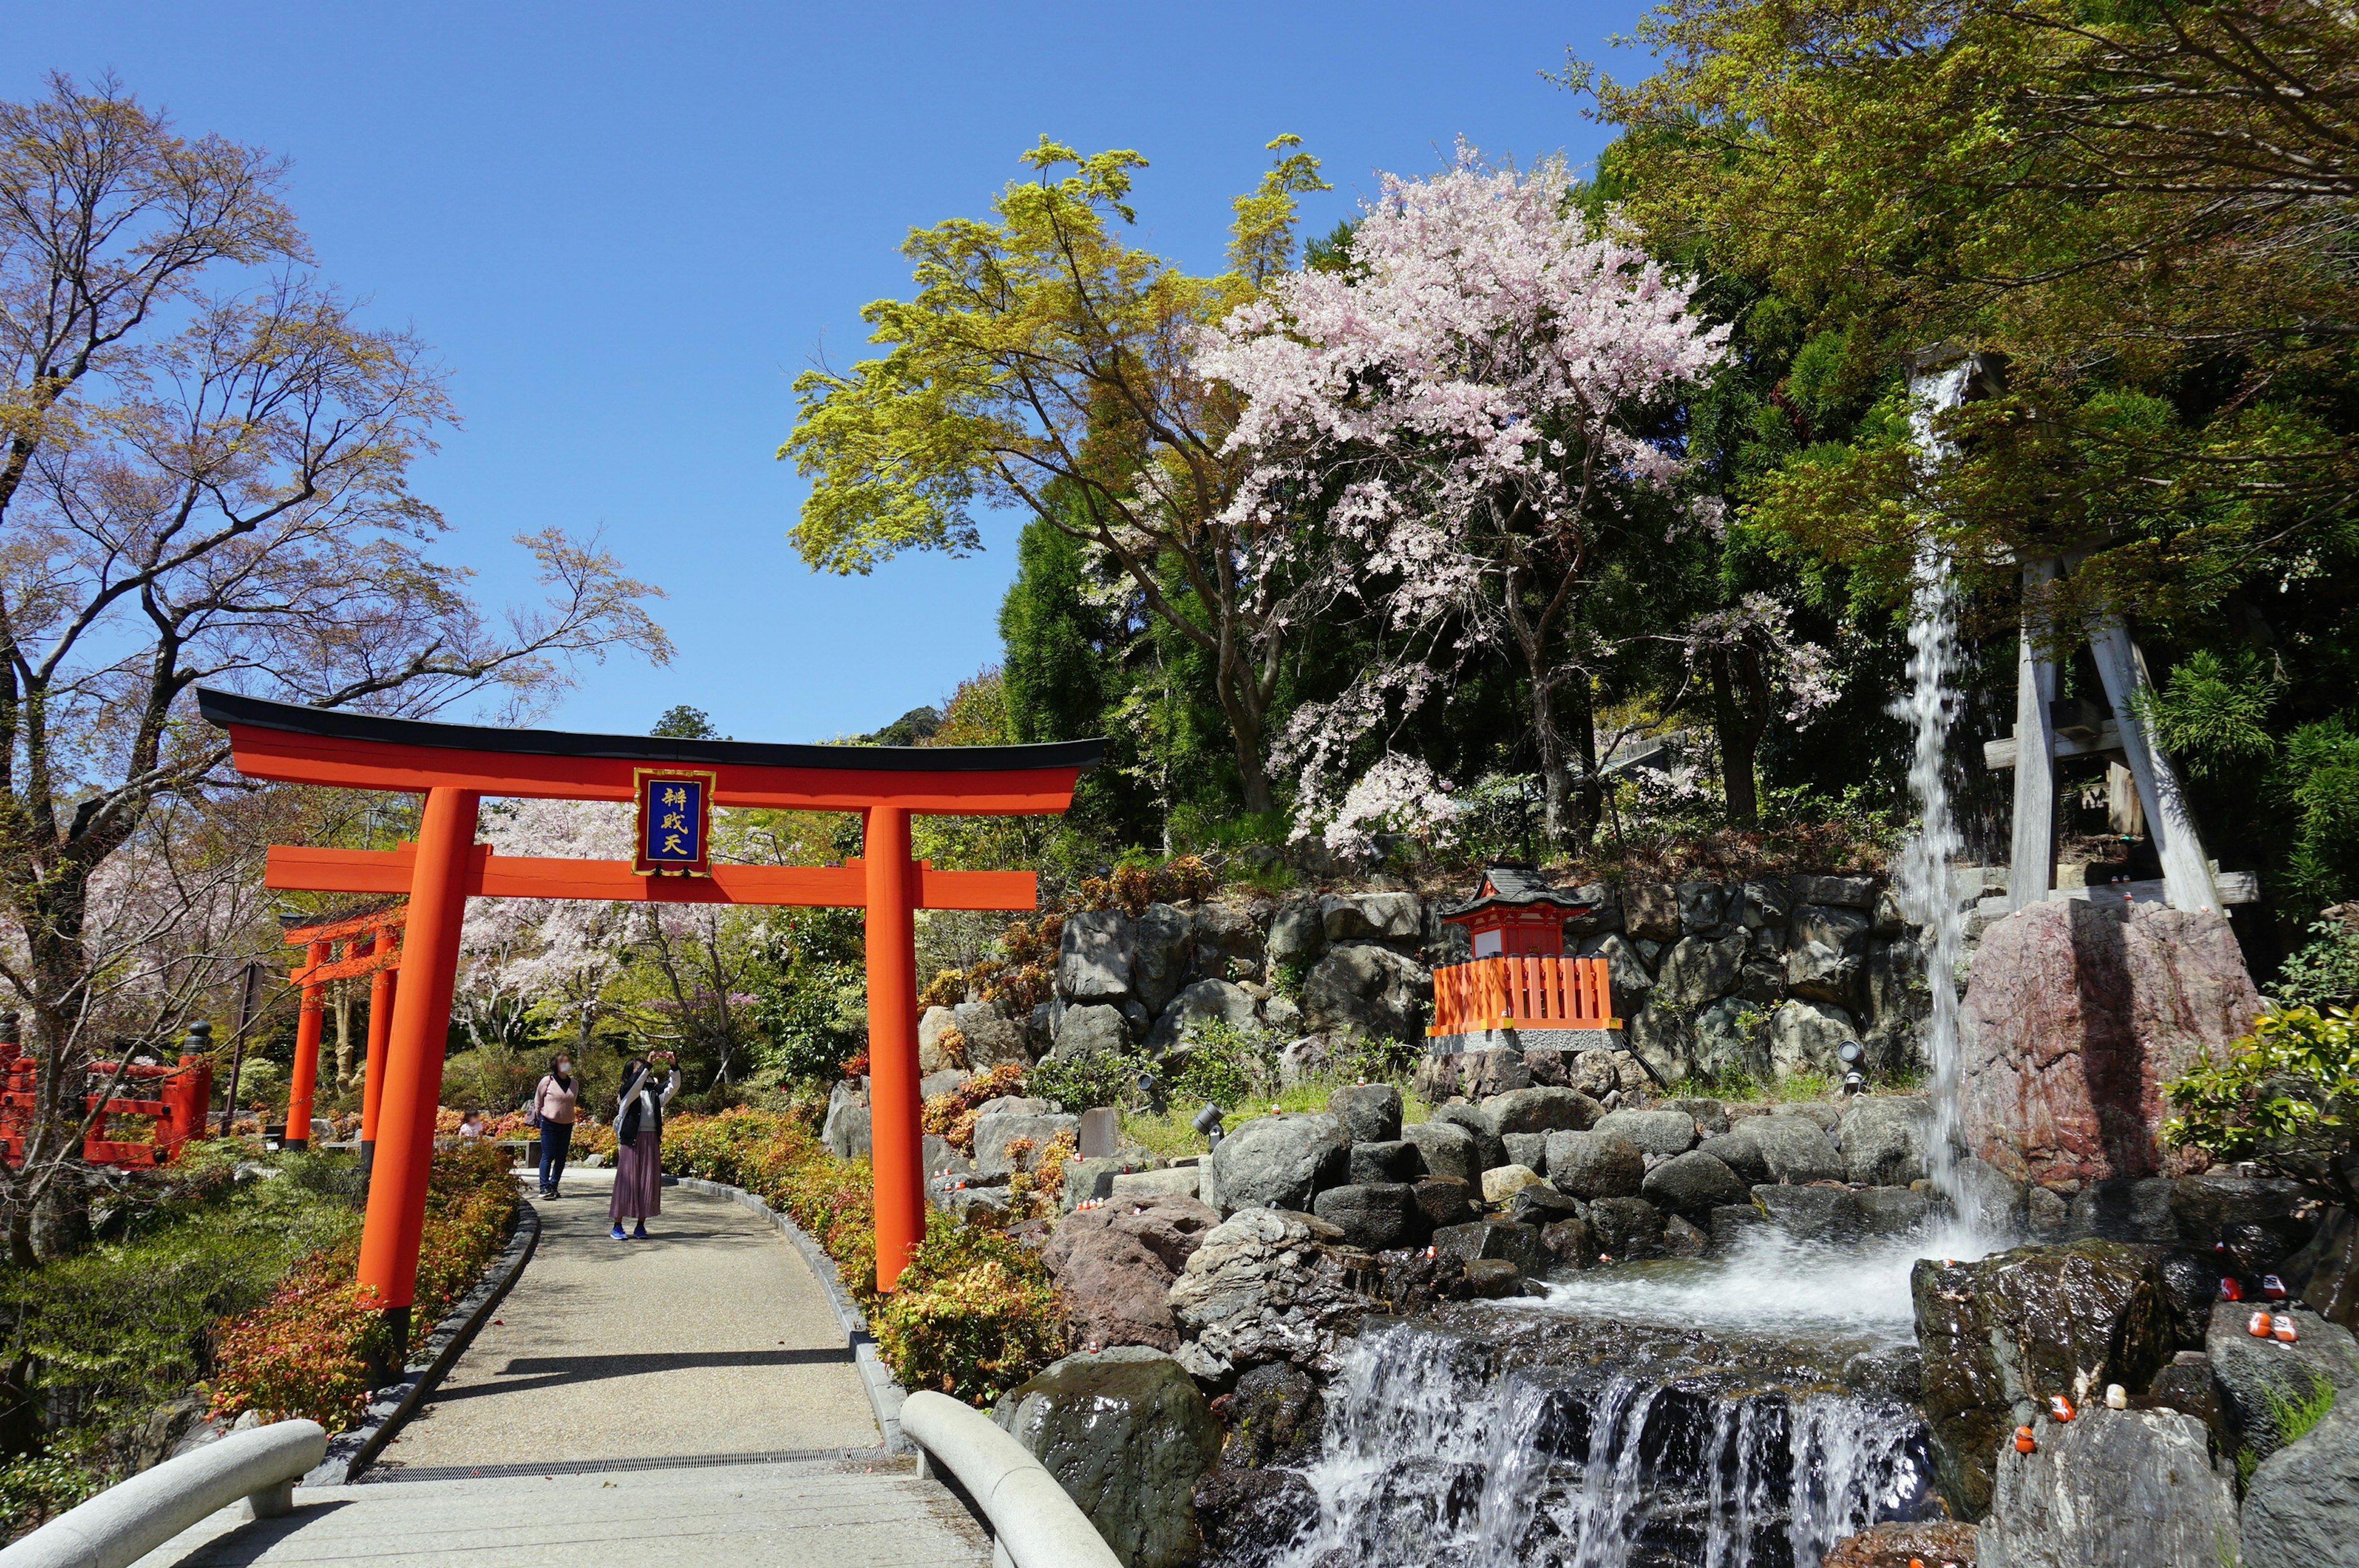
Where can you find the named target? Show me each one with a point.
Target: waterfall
(1927, 896)
(1432, 1454)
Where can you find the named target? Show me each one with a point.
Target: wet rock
(2190, 1284)
(1163, 945)
(1504, 1181)
(2263, 1382)
(1884, 1138)
(1990, 1201)
(1662, 1133)
(1203, 1001)
(1115, 1267)
(1699, 969)
(2125, 1210)
(1396, 1160)
(1541, 1204)
(2204, 1206)
(2001, 1335)
(2047, 1214)
(1381, 917)
(2188, 1386)
(1252, 1518)
(1810, 1214)
(1627, 1228)
(1090, 1030)
(1682, 1239)
(1128, 1435)
(1732, 1224)
(1897, 1371)
(1371, 1113)
(1260, 1289)
(1569, 1243)
(1541, 1110)
(1692, 1184)
(1897, 1545)
(1650, 910)
(2127, 1487)
(1590, 1165)
(1488, 1151)
(1444, 1201)
(1493, 1279)
(1518, 1244)
(1446, 1147)
(2076, 1015)
(2302, 1505)
(1789, 1149)
(1374, 1217)
(1093, 956)
(1372, 990)
(1277, 1161)
(1273, 1417)
(1892, 1211)
(997, 1133)
(1297, 935)
(1805, 1037)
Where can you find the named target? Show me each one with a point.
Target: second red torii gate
(455, 766)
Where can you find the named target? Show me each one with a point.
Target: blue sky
(625, 230)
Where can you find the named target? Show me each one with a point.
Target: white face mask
(563, 1069)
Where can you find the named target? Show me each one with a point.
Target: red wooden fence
(1522, 993)
(177, 1106)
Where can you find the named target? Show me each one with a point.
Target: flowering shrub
(306, 1352)
(950, 1117)
(780, 1160)
(977, 1313)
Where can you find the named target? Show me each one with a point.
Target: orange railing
(177, 1109)
(1522, 993)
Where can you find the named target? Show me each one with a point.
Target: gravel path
(709, 1338)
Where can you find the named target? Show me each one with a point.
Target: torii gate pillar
(895, 1143)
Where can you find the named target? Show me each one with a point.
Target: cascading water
(1539, 1443)
(1927, 896)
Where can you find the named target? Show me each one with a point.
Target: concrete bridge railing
(1035, 1524)
(128, 1520)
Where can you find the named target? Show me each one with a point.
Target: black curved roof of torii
(226, 708)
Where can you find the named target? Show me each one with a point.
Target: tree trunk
(1554, 774)
(1740, 739)
(343, 1038)
(1589, 798)
(1253, 773)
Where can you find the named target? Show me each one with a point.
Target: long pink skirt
(638, 1179)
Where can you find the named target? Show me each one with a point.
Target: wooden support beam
(2033, 860)
(2000, 755)
(2169, 821)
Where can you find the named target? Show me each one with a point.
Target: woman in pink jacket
(555, 1104)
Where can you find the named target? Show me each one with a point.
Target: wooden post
(893, 1043)
(2031, 864)
(2186, 872)
(304, 1084)
(413, 1075)
(380, 1036)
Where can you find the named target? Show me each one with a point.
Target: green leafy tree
(2286, 1096)
(1042, 351)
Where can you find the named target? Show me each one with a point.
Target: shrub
(1225, 1064)
(975, 1315)
(1081, 1083)
(2286, 1096)
(950, 1117)
(2325, 972)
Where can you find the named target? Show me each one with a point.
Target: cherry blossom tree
(1475, 392)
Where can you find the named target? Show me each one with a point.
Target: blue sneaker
(640, 1234)
(617, 1234)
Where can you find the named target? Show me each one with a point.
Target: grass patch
(1170, 1133)
(2293, 1419)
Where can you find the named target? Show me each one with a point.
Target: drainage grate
(874, 1457)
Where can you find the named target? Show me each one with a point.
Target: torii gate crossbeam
(455, 766)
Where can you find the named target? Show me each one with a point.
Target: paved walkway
(686, 1398)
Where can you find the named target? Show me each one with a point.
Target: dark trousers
(555, 1138)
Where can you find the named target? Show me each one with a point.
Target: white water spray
(1927, 896)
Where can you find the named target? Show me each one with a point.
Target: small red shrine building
(1520, 978)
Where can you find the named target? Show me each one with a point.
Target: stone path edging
(349, 1452)
(886, 1393)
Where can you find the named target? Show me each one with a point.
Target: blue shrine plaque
(675, 822)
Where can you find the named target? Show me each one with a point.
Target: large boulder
(1277, 1161)
(845, 1130)
(2303, 1505)
(1590, 1165)
(1163, 946)
(2262, 1381)
(1373, 1217)
(1447, 1149)
(931, 1056)
(1205, 1001)
(2076, 1015)
(1094, 956)
(1662, 1133)
(2111, 1487)
(1817, 972)
(1626, 974)
(1829, 925)
(1380, 917)
(1540, 1110)
(1371, 1113)
(1259, 1290)
(992, 1039)
(1884, 1138)
(1699, 969)
(1778, 1147)
(1296, 935)
(1113, 1266)
(1127, 1434)
(1489, 1149)
(1000, 1136)
(1369, 990)
(2000, 1335)
(1650, 910)
(1692, 1183)
(1818, 1213)
(1718, 1044)
(1226, 937)
(1806, 1036)
(1090, 1029)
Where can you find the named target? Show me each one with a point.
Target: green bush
(1225, 1064)
(1082, 1083)
(2325, 972)
(975, 1315)
(2286, 1096)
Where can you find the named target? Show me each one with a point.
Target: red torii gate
(372, 947)
(455, 766)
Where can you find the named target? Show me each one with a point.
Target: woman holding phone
(638, 1142)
